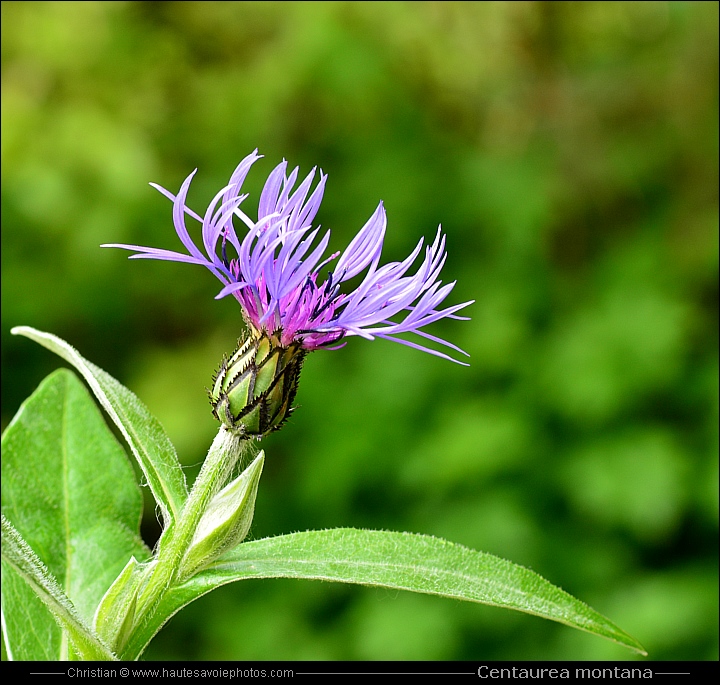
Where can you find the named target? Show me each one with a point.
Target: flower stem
(225, 452)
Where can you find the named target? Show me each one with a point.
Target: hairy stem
(225, 452)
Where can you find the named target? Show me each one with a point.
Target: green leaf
(70, 491)
(17, 554)
(402, 561)
(143, 432)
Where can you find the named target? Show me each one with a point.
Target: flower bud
(254, 389)
(115, 616)
(226, 520)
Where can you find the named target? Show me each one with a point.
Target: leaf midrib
(509, 589)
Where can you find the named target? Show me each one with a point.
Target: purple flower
(276, 271)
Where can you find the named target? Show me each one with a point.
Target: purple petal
(422, 348)
(365, 247)
(155, 253)
(271, 190)
(238, 176)
(231, 288)
(168, 194)
(288, 184)
(179, 217)
(313, 204)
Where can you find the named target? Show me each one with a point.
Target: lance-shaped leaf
(143, 432)
(16, 554)
(226, 521)
(401, 561)
(69, 489)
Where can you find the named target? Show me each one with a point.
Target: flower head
(275, 271)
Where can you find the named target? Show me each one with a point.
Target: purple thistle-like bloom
(275, 273)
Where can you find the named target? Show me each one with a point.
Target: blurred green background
(569, 150)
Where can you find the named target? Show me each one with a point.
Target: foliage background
(570, 151)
